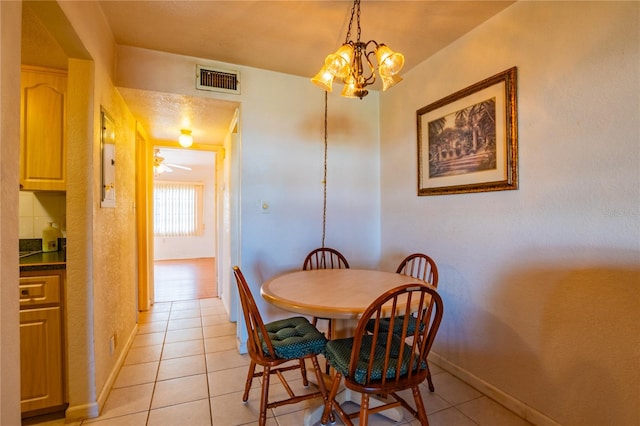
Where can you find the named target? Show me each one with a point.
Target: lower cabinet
(42, 381)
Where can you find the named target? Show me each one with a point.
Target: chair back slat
(253, 319)
(403, 362)
(420, 266)
(325, 258)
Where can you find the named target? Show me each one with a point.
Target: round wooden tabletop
(331, 293)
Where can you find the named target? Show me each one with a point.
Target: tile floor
(183, 369)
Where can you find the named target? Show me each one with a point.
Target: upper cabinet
(42, 129)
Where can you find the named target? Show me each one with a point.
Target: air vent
(218, 80)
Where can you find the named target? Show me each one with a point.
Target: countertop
(44, 261)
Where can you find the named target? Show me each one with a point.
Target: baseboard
(242, 346)
(518, 407)
(78, 413)
(87, 411)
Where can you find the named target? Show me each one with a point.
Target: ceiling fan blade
(179, 166)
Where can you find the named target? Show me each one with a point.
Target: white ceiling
(286, 36)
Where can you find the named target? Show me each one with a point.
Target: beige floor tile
(186, 313)
(431, 400)
(137, 374)
(217, 330)
(180, 349)
(211, 302)
(152, 316)
(277, 392)
(226, 359)
(180, 367)
(177, 391)
(215, 319)
(143, 354)
(129, 400)
(178, 324)
(148, 339)
(137, 419)
(183, 335)
(152, 327)
(230, 380)
(452, 389)
(486, 412)
(447, 417)
(185, 305)
(195, 413)
(229, 410)
(161, 307)
(217, 344)
(374, 419)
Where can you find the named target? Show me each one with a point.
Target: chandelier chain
(356, 4)
(324, 180)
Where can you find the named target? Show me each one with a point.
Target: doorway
(184, 224)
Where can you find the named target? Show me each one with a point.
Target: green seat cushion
(338, 353)
(397, 325)
(294, 338)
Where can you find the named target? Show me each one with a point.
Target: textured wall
(540, 284)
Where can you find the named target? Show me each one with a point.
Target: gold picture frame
(468, 141)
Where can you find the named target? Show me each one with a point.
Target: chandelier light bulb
(185, 139)
(324, 79)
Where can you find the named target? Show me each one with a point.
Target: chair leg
(323, 388)
(264, 398)
(247, 385)
(329, 401)
(429, 381)
(330, 333)
(364, 410)
(303, 371)
(422, 414)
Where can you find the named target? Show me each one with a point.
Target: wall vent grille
(218, 80)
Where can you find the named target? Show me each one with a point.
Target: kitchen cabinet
(42, 384)
(42, 129)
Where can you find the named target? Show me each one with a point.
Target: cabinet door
(41, 359)
(42, 129)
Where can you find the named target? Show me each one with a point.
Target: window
(177, 209)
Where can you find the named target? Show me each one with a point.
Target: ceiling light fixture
(185, 138)
(352, 63)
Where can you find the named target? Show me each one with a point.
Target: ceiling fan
(159, 166)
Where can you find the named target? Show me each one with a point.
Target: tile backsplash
(37, 209)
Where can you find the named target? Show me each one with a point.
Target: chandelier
(352, 63)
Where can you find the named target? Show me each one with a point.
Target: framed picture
(468, 141)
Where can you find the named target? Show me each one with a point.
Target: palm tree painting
(464, 141)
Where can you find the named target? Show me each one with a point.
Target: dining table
(340, 294)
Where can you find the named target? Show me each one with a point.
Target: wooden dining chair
(382, 363)
(422, 267)
(325, 258)
(273, 345)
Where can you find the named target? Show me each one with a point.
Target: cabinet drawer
(40, 290)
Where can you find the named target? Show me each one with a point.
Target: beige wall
(542, 304)
(101, 252)
(9, 152)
